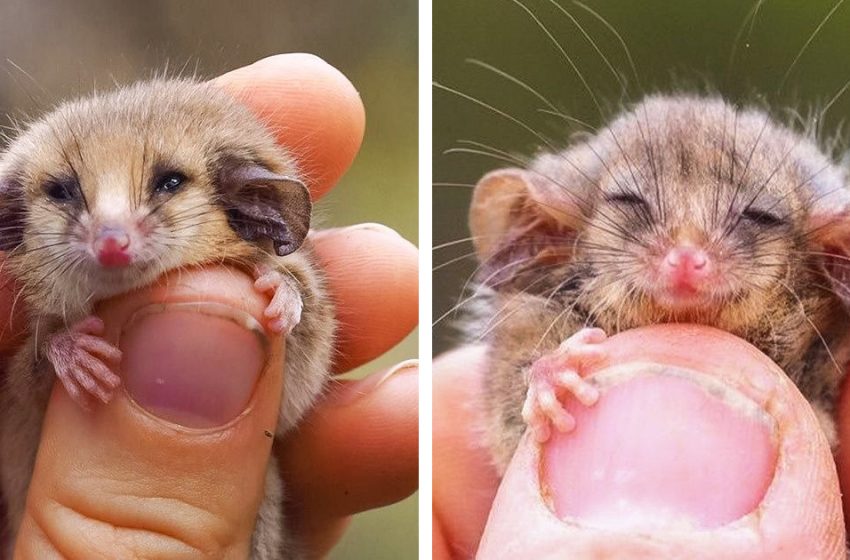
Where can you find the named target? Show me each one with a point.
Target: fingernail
(355, 390)
(193, 364)
(659, 451)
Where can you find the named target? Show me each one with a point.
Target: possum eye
(169, 182)
(761, 217)
(626, 199)
(62, 190)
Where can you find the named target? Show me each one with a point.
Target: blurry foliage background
(67, 48)
(672, 42)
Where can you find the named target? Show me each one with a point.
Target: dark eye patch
(762, 217)
(62, 189)
(261, 204)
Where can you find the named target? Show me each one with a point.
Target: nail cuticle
(188, 430)
(732, 396)
(210, 308)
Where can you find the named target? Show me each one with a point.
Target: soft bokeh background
(52, 49)
(672, 43)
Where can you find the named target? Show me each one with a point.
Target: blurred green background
(672, 42)
(69, 47)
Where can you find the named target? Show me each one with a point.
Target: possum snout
(686, 267)
(112, 246)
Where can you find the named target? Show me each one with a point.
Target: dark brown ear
(12, 214)
(263, 205)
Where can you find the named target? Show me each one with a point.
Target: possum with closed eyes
(683, 208)
(104, 195)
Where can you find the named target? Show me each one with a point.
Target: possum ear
(521, 219)
(263, 205)
(829, 224)
(12, 214)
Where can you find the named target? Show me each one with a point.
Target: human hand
(693, 465)
(118, 482)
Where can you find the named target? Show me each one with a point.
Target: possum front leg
(528, 329)
(301, 309)
(78, 356)
(271, 539)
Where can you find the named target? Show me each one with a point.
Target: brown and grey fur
(563, 247)
(113, 144)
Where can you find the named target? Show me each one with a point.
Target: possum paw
(557, 374)
(284, 310)
(80, 356)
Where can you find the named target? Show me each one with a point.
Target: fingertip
(373, 274)
(363, 435)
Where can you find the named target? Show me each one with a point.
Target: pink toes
(582, 390)
(80, 357)
(542, 409)
(557, 374)
(284, 310)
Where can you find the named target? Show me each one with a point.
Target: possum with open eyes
(104, 195)
(682, 209)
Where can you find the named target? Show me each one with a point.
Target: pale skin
(465, 483)
(322, 123)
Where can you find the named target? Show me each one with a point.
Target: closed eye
(626, 198)
(762, 217)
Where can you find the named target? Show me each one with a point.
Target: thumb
(174, 466)
(700, 447)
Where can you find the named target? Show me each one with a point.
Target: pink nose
(112, 246)
(686, 266)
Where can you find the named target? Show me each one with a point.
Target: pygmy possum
(683, 209)
(105, 194)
